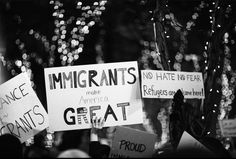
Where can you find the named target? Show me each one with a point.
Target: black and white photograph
(117, 78)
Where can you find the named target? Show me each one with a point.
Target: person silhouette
(176, 122)
(10, 147)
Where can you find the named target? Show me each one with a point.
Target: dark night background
(123, 25)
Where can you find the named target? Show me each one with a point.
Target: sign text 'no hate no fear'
(164, 84)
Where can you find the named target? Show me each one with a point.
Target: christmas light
(150, 52)
(72, 42)
(58, 41)
(194, 17)
(228, 84)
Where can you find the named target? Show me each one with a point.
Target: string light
(228, 84)
(70, 43)
(183, 36)
(69, 47)
(192, 22)
(150, 52)
(60, 37)
(58, 43)
(207, 47)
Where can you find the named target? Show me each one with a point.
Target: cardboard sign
(164, 84)
(77, 94)
(189, 142)
(131, 143)
(228, 127)
(21, 112)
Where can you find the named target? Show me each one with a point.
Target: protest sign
(131, 143)
(164, 84)
(21, 112)
(77, 94)
(188, 142)
(228, 127)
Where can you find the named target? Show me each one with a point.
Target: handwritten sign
(21, 112)
(131, 143)
(77, 94)
(164, 84)
(228, 127)
(189, 142)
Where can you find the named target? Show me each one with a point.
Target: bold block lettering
(92, 108)
(57, 79)
(134, 80)
(110, 111)
(67, 78)
(82, 112)
(72, 121)
(92, 74)
(123, 74)
(104, 79)
(50, 82)
(112, 77)
(83, 81)
(123, 105)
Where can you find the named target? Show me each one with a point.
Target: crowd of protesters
(92, 143)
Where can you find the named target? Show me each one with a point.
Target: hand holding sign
(97, 125)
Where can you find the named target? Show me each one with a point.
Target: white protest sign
(76, 94)
(21, 112)
(228, 127)
(131, 143)
(164, 84)
(189, 142)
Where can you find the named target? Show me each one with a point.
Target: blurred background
(177, 35)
